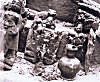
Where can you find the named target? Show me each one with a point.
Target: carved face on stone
(40, 29)
(10, 22)
(10, 19)
(78, 29)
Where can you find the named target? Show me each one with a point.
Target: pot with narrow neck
(69, 65)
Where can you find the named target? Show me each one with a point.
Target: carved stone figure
(11, 37)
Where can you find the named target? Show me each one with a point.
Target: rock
(2, 31)
(96, 54)
(31, 56)
(65, 8)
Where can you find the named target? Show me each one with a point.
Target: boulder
(66, 9)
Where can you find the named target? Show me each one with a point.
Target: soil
(24, 71)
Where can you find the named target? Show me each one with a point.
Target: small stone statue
(11, 26)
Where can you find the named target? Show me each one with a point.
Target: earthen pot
(69, 65)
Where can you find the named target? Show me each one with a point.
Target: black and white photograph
(49, 40)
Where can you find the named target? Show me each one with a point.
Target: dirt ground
(24, 71)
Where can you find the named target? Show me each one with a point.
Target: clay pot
(69, 65)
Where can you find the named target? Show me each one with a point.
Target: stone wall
(1, 26)
(65, 8)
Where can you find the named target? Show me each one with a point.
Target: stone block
(66, 9)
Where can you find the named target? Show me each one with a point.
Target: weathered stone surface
(98, 1)
(96, 53)
(2, 31)
(65, 8)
